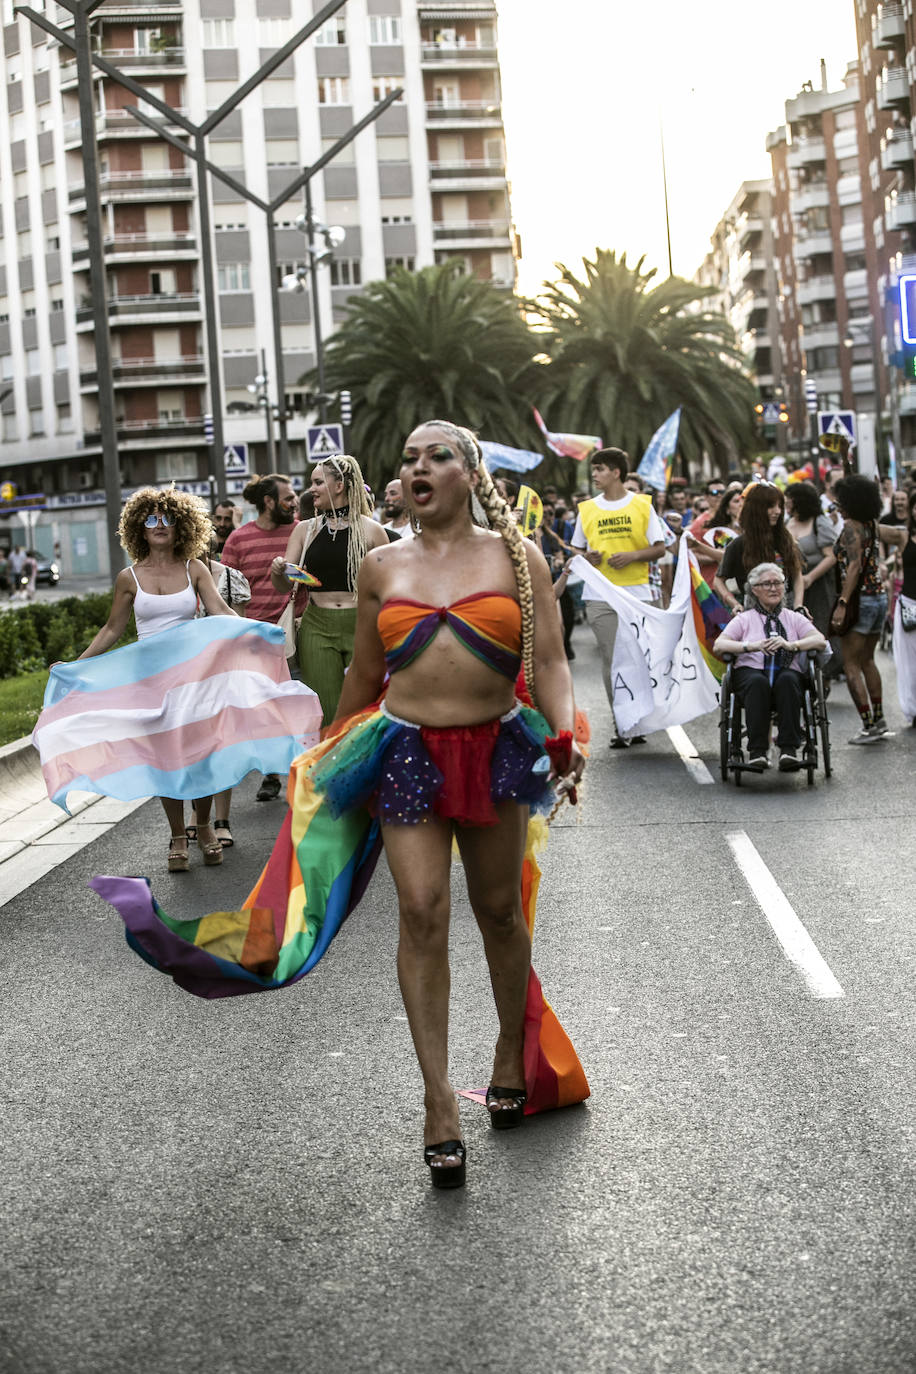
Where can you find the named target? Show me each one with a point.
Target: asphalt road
(221, 1188)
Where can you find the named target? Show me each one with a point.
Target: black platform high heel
(504, 1118)
(446, 1175)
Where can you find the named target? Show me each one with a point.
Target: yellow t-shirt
(619, 531)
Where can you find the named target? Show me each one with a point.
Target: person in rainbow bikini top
(451, 752)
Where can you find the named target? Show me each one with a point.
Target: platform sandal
(211, 849)
(505, 1117)
(446, 1175)
(178, 854)
(223, 834)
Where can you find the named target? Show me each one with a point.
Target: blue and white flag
(658, 459)
(514, 459)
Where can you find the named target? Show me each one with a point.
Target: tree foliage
(625, 354)
(434, 343)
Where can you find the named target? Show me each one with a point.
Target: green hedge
(33, 637)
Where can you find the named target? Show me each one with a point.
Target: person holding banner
(622, 535)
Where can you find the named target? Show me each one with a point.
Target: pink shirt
(750, 625)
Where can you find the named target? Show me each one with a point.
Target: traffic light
(783, 413)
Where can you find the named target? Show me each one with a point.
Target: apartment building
(426, 183)
(741, 269)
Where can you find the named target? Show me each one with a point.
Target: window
(4, 318)
(36, 422)
(282, 152)
(234, 276)
(273, 33)
(346, 272)
(10, 430)
(393, 264)
(383, 86)
(52, 244)
(33, 362)
(29, 312)
(346, 156)
(332, 33)
(385, 28)
(61, 360)
(64, 419)
(397, 219)
(222, 227)
(6, 367)
(393, 149)
(333, 90)
(218, 33)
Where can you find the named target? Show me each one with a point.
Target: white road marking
(691, 759)
(797, 944)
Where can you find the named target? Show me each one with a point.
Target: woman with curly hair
(457, 756)
(331, 547)
(763, 539)
(861, 606)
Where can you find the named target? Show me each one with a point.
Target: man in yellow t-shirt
(621, 535)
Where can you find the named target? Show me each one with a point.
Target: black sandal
(504, 1118)
(223, 834)
(446, 1175)
(191, 833)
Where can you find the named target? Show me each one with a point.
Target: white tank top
(162, 612)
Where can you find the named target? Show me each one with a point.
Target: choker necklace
(341, 513)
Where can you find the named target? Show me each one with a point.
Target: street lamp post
(867, 333)
(332, 237)
(259, 388)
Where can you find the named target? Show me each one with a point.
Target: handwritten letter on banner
(658, 673)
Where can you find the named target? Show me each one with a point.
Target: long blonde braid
(499, 517)
(342, 466)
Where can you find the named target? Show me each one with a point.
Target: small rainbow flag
(578, 446)
(710, 617)
(301, 576)
(719, 536)
(532, 509)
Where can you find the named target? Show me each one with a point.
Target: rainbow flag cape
(710, 617)
(578, 446)
(183, 713)
(658, 460)
(532, 509)
(316, 875)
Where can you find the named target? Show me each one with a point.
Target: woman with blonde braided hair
(331, 547)
(450, 753)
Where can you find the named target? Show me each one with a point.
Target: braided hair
(347, 470)
(498, 517)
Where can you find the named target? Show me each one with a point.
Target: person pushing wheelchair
(770, 642)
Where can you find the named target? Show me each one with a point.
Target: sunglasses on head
(152, 521)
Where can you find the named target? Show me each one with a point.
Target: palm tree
(433, 343)
(625, 354)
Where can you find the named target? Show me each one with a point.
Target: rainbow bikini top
(487, 623)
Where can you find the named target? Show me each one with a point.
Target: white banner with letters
(658, 674)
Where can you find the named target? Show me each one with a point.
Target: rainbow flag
(183, 713)
(710, 617)
(316, 875)
(578, 446)
(658, 460)
(301, 576)
(532, 509)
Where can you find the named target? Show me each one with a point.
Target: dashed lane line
(797, 944)
(689, 756)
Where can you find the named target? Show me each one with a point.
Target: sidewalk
(35, 834)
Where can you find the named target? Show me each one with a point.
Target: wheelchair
(815, 725)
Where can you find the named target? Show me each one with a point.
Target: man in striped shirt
(251, 549)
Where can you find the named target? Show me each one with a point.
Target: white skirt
(905, 661)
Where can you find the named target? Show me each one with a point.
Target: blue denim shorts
(872, 614)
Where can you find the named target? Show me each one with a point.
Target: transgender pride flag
(183, 713)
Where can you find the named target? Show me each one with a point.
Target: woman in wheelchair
(769, 643)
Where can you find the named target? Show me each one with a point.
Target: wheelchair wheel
(723, 742)
(823, 721)
(810, 722)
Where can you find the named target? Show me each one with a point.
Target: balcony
(852, 238)
(474, 234)
(821, 288)
(906, 400)
(862, 376)
(893, 88)
(460, 113)
(141, 248)
(154, 431)
(471, 174)
(115, 124)
(814, 195)
(139, 372)
(461, 54)
(805, 151)
(897, 150)
(142, 184)
(821, 335)
(900, 211)
(889, 25)
(855, 283)
(811, 245)
(176, 306)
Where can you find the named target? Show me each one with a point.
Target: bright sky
(585, 83)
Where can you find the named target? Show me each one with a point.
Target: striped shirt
(252, 550)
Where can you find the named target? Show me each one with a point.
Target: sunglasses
(152, 521)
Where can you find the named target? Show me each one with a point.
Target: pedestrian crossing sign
(324, 441)
(235, 457)
(840, 422)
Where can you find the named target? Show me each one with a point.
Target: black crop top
(326, 559)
